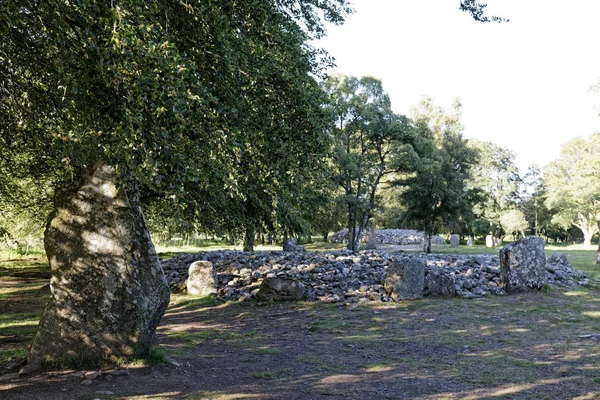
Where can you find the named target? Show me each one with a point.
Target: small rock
(593, 336)
(104, 392)
(86, 382)
(119, 372)
(91, 375)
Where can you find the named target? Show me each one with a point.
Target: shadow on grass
(520, 346)
(24, 291)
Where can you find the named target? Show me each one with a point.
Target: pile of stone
(345, 276)
(389, 236)
(560, 271)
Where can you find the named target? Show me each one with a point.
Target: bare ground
(516, 347)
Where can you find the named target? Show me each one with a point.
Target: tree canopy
(370, 141)
(177, 92)
(436, 193)
(573, 186)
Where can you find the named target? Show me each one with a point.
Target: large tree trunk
(249, 238)
(108, 289)
(598, 253)
(427, 243)
(351, 227)
(587, 238)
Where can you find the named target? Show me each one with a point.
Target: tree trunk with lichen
(598, 252)
(108, 289)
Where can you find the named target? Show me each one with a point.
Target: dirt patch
(525, 346)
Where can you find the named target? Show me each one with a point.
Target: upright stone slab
(289, 245)
(454, 240)
(405, 278)
(108, 290)
(489, 241)
(470, 242)
(523, 265)
(280, 288)
(201, 278)
(371, 239)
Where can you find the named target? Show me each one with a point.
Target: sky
(524, 84)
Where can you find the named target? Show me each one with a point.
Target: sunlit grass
(16, 254)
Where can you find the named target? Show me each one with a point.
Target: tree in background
(532, 203)
(573, 186)
(514, 222)
(436, 194)
(369, 142)
(495, 179)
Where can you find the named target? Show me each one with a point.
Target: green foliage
(494, 182)
(514, 222)
(477, 11)
(573, 186)
(213, 105)
(436, 194)
(369, 142)
(533, 205)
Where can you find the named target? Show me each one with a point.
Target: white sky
(523, 84)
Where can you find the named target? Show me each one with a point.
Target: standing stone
(405, 278)
(201, 278)
(289, 245)
(489, 241)
(523, 265)
(280, 288)
(497, 242)
(454, 239)
(371, 239)
(470, 242)
(108, 289)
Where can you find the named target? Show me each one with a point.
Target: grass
(262, 351)
(23, 292)
(515, 340)
(16, 254)
(171, 251)
(158, 355)
(262, 375)
(193, 339)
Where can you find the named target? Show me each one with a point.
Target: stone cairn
(344, 276)
(388, 236)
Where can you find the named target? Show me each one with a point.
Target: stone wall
(344, 276)
(389, 236)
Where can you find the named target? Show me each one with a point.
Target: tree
(496, 180)
(436, 194)
(532, 202)
(477, 11)
(164, 95)
(513, 222)
(369, 142)
(573, 184)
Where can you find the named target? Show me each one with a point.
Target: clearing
(534, 345)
